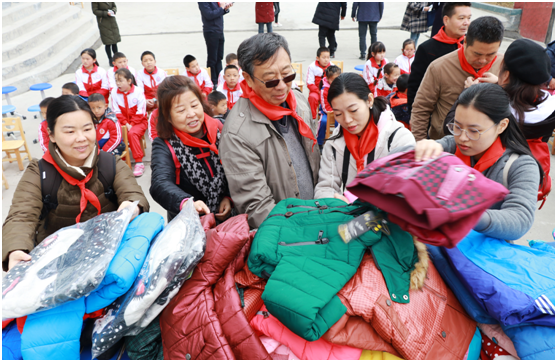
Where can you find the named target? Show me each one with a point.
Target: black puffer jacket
(163, 180)
(328, 14)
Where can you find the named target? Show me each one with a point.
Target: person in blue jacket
(368, 14)
(212, 14)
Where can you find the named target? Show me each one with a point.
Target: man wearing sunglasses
(268, 147)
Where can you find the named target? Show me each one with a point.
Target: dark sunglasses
(273, 83)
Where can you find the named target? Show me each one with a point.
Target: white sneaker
(277, 24)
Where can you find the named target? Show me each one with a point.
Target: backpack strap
(508, 165)
(345, 166)
(107, 173)
(391, 138)
(176, 162)
(50, 183)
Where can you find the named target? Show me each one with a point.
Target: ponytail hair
(376, 47)
(332, 70)
(92, 53)
(353, 83)
(124, 72)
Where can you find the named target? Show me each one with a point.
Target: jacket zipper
(320, 241)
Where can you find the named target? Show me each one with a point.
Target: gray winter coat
(108, 27)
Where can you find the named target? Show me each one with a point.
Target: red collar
(374, 63)
(319, 65)
(132, 88)
(442, 37)
(362, 146)
(154, 72)
(488, 159)
(94, 70)
(211, 127)
(468, 68)
(236, 88)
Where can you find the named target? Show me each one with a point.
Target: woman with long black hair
(485, 136)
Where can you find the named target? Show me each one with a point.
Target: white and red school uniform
(93, 81)
(404, 63)
(109, 131)
(112, 80)
(383, 89)
(232, 95)
(371, 69)
(314, 75)
(221, 77)
(43, 136)
(151, 81)
(130, 109)
(152, 128)
(202, 79)
(325, 106)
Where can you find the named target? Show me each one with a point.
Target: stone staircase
(41, 40)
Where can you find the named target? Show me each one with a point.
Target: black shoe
(362, 57)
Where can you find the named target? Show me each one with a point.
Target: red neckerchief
(274, 113)
(90, 72)
(493, 153)
(319, 65)
(86, 194)
(398, 99)
(360, 147)
(126, 105)
(211, 126)
(442, 37)
(230, 97)
(409, 65)
(374, 63)
(195, 78)
(469, 69)
(153, 82)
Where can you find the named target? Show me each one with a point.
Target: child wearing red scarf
(316, 72)
(150, 77)
(399, 101)
(91, 78)
(120, 61)
(373, 69)
(405, 60)
(199, 75)
(387, 84)
(231, 86)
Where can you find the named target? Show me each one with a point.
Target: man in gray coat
(368, 14)
(268, 147)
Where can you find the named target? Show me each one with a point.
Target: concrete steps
(41, 40)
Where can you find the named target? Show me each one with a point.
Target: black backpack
(51, 180)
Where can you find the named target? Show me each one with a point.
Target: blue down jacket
(11, 342)
(513, 283)
(55, 333)
(532, 342)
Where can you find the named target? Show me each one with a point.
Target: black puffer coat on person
(328, 14)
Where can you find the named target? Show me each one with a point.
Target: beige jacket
(442, 84)
(330, 171)
(256, 161)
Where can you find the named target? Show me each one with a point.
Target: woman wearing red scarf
(485, 135)
(74, 155)
(368, 130)
(186, 161)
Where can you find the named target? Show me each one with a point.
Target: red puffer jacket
(432, 326)
(205, 320)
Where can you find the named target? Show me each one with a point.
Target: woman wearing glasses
(185, 161)
(485, 135)
(268, 148)
(368, 130)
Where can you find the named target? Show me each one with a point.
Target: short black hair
(260, 48)
(72, 87)
(63, 105)
(214, 98)
(96, 97)
(448, 8)
(322, 50)
(230, 57)
(487, 29)
(118, 55)
(230, 66)
(147, 52)
(188, 59)
(45, 102)
(402, 82)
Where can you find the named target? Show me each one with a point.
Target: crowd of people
(245, 138)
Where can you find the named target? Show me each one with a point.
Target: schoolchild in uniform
(91, 78)
(373, 69)
(331, 74)
(151, 77)
(109, 131)
(387, 84)
(399, 101)
(43, 127)
(316, 72)
(120, 61)
(231, 59)
(198, 75)
(231, 87)
(405, 60)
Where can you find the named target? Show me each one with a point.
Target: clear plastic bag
(171, 260)
(65, 266)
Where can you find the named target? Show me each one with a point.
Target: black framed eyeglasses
(273, 83)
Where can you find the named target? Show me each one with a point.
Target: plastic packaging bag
(65, 266)
(173, 255)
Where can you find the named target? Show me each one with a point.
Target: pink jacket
(316, 350)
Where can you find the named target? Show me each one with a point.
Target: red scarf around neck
(274, 113)
(153, 82)
(230, 94)
(488, 159)
(374, 63)
(86, 194)
(319, 65)
(195, 78)
(442, 37)
(90, 72)
(398, 99)
(469, 69)
(126, 105)
(211, 126)
(360, 147)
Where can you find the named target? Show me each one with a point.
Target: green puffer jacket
(108, 26)
(298, 248)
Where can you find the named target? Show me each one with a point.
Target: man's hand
(353, 19)
(489, 78)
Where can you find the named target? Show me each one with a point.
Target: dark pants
(330, 35)
(277, 11)
(262, 27)
(215, 53)
(362, 28)
(109, 54)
